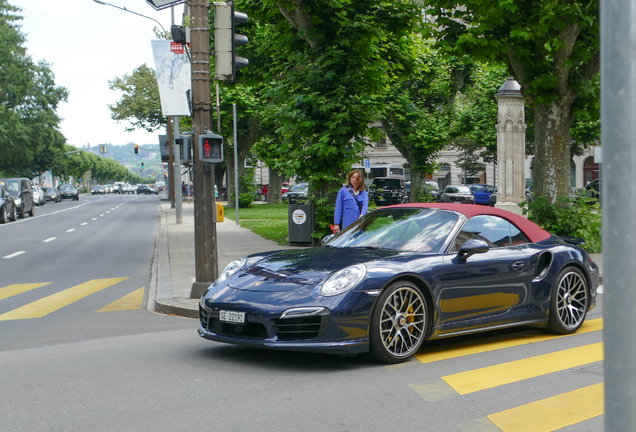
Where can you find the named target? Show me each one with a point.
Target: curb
(164, 303)
(185, 307)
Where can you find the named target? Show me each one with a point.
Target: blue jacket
(347, 208)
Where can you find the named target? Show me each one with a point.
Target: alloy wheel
(402, 322)
(571, 299)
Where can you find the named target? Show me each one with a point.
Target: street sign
(367, 166)
(163, 4)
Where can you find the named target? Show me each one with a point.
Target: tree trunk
(552, 151)
(418, 184)
(275, 187)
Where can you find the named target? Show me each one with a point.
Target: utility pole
(205, 251)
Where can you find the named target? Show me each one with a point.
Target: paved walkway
(173, 270)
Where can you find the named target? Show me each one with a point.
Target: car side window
(517, 236)
(495, 231)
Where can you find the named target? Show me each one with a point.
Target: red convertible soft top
(534, 232)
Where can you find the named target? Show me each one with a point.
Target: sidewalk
(173, 269)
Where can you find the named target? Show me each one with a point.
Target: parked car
(593, 189)
(52, 194)
(38, 195)
(386, 191)
(399, 276)
(68, 191)
(22, 193)
(481, 192)
(493, 199)
(7, 205)
(457, 194)
(127, 189)
(297, 193)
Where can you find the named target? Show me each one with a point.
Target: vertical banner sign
(173, 77)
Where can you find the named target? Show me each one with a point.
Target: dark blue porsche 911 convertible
(399, 276)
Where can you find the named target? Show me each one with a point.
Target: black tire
(21, 213)
(13, 216)
(401, 310)
(4, 215)
(569, 301)
(32, 212)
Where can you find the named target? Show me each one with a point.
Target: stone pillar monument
(511, 147)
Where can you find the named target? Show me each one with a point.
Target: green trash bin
(301, 220)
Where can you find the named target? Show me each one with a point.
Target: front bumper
(340, 326)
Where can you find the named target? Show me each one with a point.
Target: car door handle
(518, 266)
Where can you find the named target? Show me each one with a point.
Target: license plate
(232, 317)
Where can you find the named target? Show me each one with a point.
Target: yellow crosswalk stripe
(506, 373)
(130, 301)
(59, 300)
(553, 413)
(16, 289)
(432, 354)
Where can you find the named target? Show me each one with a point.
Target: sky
(87, 44)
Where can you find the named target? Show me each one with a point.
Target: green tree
(551, 47)
(139, 104)
(323, 64)
(29, 124)
(416, 110)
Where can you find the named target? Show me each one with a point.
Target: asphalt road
(100, 363)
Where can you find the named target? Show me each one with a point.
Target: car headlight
(18, 201)
(343, 280)
(231, 269)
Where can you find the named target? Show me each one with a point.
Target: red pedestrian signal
(136, 149)
(210, 148)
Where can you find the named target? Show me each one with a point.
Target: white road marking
(108, 211)
(94, 219)
(70, 230)
(14, 255)
(85, 223)
(50, 239)
(101, 214)
(113, 208)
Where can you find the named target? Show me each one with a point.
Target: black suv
(386, 191)
(22, 193)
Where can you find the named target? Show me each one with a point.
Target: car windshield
(407, 229)
(386, 183)
(66, 187)
(300, 187)
(457, 189)
(49, 189)
(12, 187)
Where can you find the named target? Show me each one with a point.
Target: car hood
(293, 269)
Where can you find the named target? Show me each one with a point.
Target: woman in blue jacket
(352, 201)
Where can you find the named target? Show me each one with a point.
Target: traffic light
(136, 149)
(226, 41)
(185, 146)
(210, 148)
(142, 165)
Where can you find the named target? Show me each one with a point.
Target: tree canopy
(552, 49)
(29, 124)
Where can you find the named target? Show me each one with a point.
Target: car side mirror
(471, 247)
(326, 239)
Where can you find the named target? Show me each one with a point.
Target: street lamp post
(124, 9)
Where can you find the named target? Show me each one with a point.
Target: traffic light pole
(205, 250)
(170, 163)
